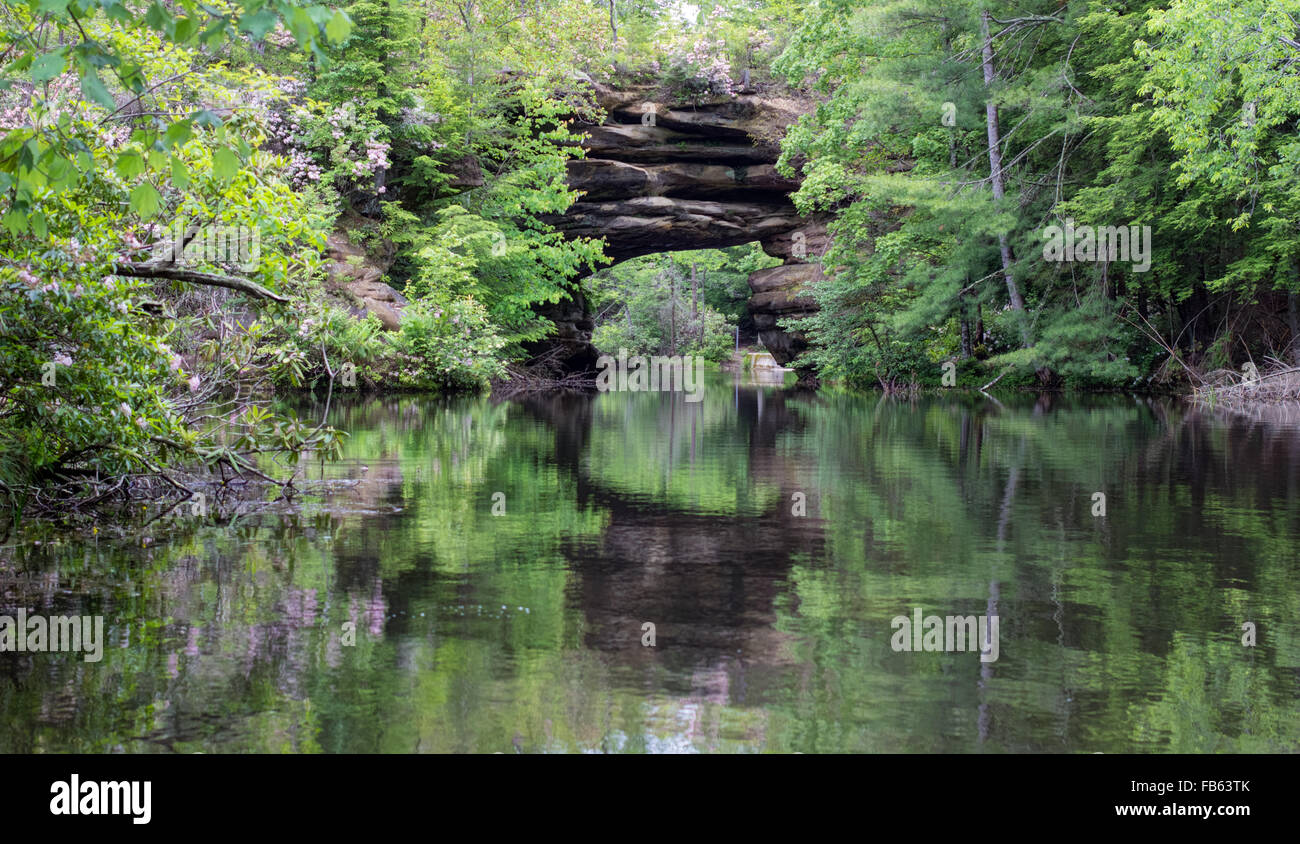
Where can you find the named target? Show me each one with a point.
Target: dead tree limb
(174, 273)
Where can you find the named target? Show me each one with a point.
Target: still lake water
(522, 632)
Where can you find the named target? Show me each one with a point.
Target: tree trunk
(966, 347)
(695, 308)
(672, 312)
(381, 180)
(995, 170)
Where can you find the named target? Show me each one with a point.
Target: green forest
(1041, 195)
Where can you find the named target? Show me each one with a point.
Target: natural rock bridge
(659, 178)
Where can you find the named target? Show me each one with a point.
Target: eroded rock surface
(781, 291)
(661, 178)
(355, 277)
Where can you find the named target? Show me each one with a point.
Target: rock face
(569, 349)
(355, 278)
(780, 291)
(661, 178)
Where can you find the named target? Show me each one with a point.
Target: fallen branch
(173, 273)
(995, 380)
(545, 372)
(1227, 387)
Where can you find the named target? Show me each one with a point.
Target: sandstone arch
(659, 177)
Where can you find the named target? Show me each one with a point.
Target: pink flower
(194, 383)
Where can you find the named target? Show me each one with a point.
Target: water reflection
(387, 609)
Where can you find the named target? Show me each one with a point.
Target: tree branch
(149, 270)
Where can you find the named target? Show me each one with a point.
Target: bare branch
(174, 273)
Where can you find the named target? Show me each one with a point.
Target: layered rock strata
(662, 178)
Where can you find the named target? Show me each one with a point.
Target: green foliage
(77, 381)
(444, 344)
(1232, 129)
(318, 341)
(448, 129)
(665, 304)
(343, 147)
(493, 243)
(374, 66)
(116, 149)
(1117, 116)
(88, 41)
(453, 344)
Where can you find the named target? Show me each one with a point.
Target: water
(522, 632)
